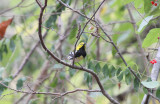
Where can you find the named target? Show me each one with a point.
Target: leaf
(147, 5)
(19, 84)
(51, 21)
(136, 84)
(90, 65)
(145, 90)
(151, 37)
(58, 66)
(97, 68)
(113, 71)
(62, 75)
(128, 77)
(54, 82)
(74, 30)
(151, 84)
(3, 27)
(72, 72)
(158, 92)
(144, 22)
(118, 71)
(2, 88)
(120, 77)
(88, 78)
(12, 45)
(59, 8)
(105, 70)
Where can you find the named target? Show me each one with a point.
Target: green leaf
(90, 65)
(145, 90)
(136, 84)
(144, 22)
(59, 8)
(74, 30)
(54, 82)
(113, 71)
(147, 5)
(151, 37)
(12, 45)
(105, 70)
(128, 77)
(158, 92)
(88, 79)
(62, 75)
(19, 84)
(97, 68)
(151, 84)
(58, 66)
(2, 88)
(118, 71)
(120, 77)
(51, 21)
(72, 72)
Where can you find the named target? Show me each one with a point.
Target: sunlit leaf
(151, 37)
(151, 84)
(144, 22)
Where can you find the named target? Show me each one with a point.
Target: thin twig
(68, 92)
(12, 8)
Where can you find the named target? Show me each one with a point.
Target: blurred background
(25, 66)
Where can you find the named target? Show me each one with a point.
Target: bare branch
(12, 8)
(68, 92)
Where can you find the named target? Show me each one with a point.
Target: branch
(49, 93)
(69, 65)
(68, 92)
(12, 8)
(20, 91)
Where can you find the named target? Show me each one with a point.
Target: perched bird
(80, 53)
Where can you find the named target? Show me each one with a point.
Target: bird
(80, 52)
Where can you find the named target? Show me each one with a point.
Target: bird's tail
(71, 55)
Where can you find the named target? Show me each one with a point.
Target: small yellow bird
(80, 53)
